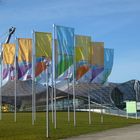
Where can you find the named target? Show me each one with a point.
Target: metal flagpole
(52, 91)
(33, 78)
(102, 119)
(52, 104)
(74, 112)
(67, 78)
(47, 102)
(54, 79)
(35, 100)
(15, 113)
(89, 107)
(138, 91)
(68, 101)
(1, 84)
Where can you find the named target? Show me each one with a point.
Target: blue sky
(115, 22)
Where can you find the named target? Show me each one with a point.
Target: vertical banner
(82, 55)
(65, 49)
(8, 61)
(43, 44)
(43, 53)
(83, 44)
(24, 58)
(98, 53)
(65, 45)
(9, 53)
(97, 60)
(108, 64)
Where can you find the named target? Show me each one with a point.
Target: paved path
(126, 133)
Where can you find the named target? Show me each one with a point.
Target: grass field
(24, 130)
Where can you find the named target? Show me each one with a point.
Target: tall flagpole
(1, 84)
(47, 102)
(89, 106)
(33, 78)
(68, 101)
(15, 113)
(74, 112)
(52, 91)
(54, 78)
(102, 117)
(68, 106)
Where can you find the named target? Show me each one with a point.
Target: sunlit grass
(24, 130)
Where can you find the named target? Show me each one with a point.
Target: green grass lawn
(24, 130)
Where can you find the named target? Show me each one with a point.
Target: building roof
(97, 92)
(24, 88)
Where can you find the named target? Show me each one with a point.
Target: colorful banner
(97, 59)
(108, 64)
(24, 57)
(23, 69)
(43, 44)
(82, 55)
(81, 70)
(95, 62)
(43, 52)
(83, 45)
(6, 76)
(64, 63)
(41, 65)
(9, 53)
(97, 50)
(8, 61)
(8, 71)
(108, 58)
(96, 70)
(79, 54)
(65, 42)
(24, 50)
